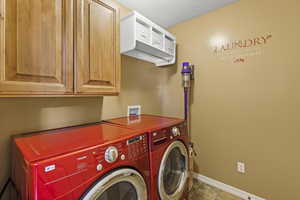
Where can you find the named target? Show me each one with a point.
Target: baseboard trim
(227, 188)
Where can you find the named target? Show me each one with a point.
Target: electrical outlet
(241, 167)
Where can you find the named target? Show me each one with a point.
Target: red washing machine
(92, 162)
(168, 153)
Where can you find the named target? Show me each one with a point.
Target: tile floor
(202, 191)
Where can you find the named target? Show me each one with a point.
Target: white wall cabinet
(145, 40)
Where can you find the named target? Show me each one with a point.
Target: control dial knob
(111, 154)
(175, 131)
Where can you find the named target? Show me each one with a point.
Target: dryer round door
(173, 172)
(122, 184)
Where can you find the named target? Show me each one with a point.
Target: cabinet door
(97, 48)
(36, 44)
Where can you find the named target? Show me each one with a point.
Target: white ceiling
(170, 12)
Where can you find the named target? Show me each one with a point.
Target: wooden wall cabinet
(97, 51)
(59, 47)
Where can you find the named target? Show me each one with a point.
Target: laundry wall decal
(238, 51)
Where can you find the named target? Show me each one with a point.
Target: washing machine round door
(173, 172)
(123, 184)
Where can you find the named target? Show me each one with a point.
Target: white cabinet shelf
(143, 39)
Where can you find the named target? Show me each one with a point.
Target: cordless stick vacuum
(187, 76)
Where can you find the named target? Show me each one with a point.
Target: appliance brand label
(49, 168)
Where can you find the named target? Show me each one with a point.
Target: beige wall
(141, 83)
(244, 111)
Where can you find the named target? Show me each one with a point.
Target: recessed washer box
(145, 40)
(134, 110)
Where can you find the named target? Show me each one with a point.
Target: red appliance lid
(146, 122)
(52, 143)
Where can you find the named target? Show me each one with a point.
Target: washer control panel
(137, 146)
(122, 151)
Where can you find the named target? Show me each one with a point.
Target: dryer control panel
(168, 134)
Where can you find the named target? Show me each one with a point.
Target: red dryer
(93, 162)
(168, 153)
